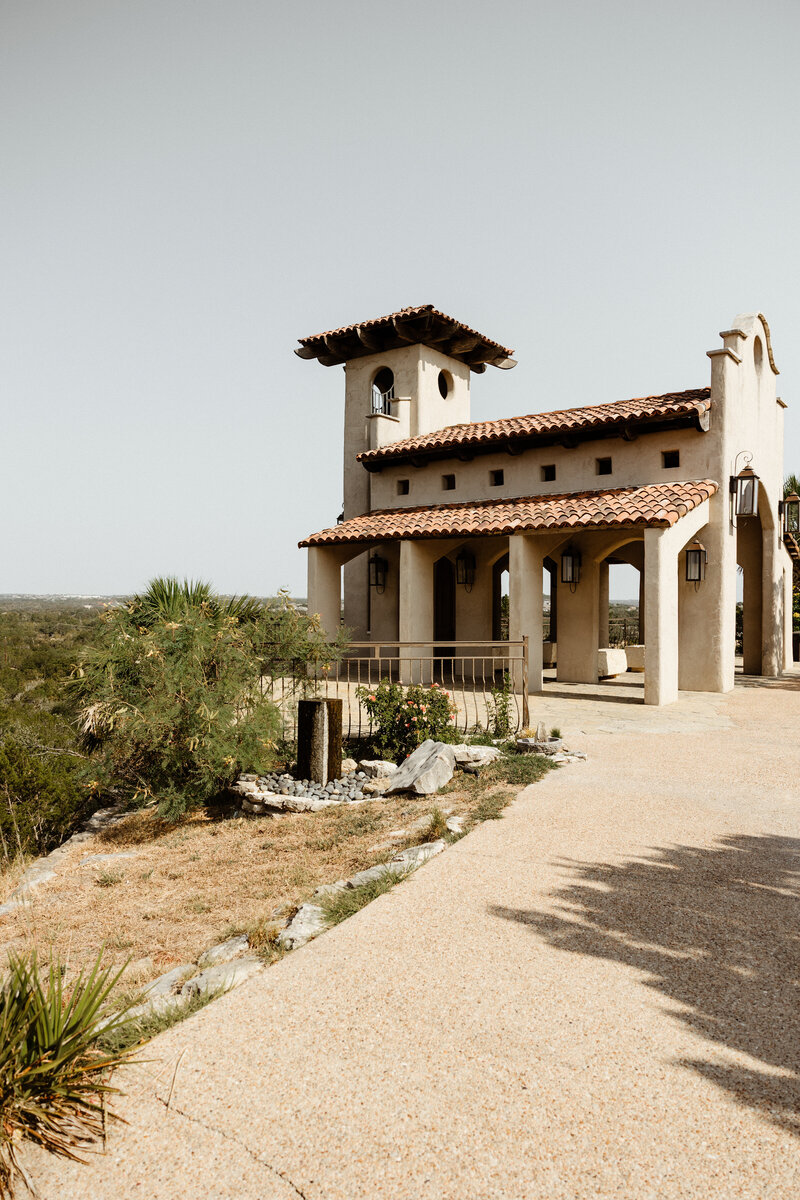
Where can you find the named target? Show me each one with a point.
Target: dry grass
(188, 885)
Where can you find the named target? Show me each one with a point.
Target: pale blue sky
(189, 186)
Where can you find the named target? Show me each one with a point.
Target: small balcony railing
(382, 401)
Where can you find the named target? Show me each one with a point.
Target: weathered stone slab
(167, 983)
(95, 860)
(223, 976)
(479, 755)
(611, 661)
(415, 856)
(430, 767)
(634, 656)
(308, 921)
(223, 951)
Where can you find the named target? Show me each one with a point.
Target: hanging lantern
(377, 572)
(571, 567)
(696, 559)
(791, 513)
(744, 489)
(465, 568)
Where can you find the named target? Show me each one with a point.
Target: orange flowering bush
(404, 717)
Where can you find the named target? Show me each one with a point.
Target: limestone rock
(94, 860)
(223, 951)
(308, 921)
(223, 976)
(415, 856)
(377, 768)
(455, 824)
(430, 767)
(376, 787)
(480, 755)
(348, 766)
(166, 984)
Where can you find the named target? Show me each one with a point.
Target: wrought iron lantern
(696, 559)
(378, 568)
(571, 568)
(791, 513)
(465, 569)
(744, 490)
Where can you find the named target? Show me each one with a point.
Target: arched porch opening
(500, 594)
(444, 600)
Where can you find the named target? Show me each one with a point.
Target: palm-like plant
(54, 1081)
(791, 484)
(167, 599)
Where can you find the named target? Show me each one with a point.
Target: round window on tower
(445, 384)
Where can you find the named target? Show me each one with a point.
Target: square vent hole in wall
(497, 478)
(448, 483)
(402, 487)
(603, 466)
(670, 458)
(549, 473)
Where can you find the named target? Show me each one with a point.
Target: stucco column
(771, 604)
(603, 601)
(661, 618)
(416, 609)
(324, 586)
(578, 626)
(525, 577)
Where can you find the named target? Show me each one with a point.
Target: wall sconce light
(465, 569)
(377, 572)
(744, 491)
(571, 568)
(791, 513)
(696, 559)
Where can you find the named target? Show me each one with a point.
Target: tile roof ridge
(687, 394)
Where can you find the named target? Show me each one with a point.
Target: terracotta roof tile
(419, 310)
(653, 504)
(696, 402)
(421, 325)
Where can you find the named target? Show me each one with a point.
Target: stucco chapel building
(686, 487)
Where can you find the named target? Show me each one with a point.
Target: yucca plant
(54, 1081)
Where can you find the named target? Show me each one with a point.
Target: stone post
(319, 740)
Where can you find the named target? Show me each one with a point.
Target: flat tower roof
(423, 325)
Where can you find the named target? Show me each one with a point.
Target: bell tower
(405, 375)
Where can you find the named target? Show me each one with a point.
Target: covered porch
(434, 578)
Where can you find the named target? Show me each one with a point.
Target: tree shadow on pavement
(717, 932)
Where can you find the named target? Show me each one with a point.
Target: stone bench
(549, 654)
(610, 662)
(635, 657)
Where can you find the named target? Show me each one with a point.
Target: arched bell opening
(383, 391)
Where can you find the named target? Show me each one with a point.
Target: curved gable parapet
(748, 323)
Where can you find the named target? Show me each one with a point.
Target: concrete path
(595, 997)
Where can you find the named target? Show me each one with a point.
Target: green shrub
(54, 1081)
(42, 798)
(498, 706)
(171, 699)
(404, 717)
